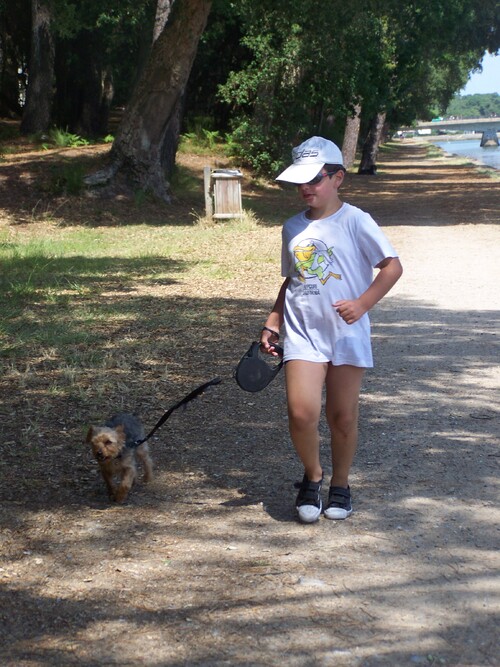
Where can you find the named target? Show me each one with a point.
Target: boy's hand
(350, 310)
(268, 340)
(268, 347)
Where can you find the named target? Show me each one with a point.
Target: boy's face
(320, 195)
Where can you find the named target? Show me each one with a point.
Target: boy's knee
(302, 419)
(344, 423)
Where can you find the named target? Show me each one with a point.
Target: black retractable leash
(253, 373)
(192, 395)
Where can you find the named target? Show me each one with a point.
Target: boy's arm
(390, 272)
(274, 320)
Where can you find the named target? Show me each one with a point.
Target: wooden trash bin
(225, 190)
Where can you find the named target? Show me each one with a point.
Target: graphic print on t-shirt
(314, 260)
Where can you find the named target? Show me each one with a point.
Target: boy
(329, 252)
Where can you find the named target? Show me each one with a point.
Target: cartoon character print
(314, 260)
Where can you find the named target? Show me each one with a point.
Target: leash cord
(187, 399)
(197, 392)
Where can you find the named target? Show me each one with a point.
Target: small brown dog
(115, 450)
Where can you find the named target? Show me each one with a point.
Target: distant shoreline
(474, 162)
(454, 137)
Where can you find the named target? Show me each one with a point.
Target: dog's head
(107, 443)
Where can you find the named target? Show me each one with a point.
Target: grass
(66, 289)
(92, 315)
(67, 179)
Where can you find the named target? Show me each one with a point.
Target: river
(471, 148)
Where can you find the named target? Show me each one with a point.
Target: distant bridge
(466, 125)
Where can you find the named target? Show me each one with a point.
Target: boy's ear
(340, 175)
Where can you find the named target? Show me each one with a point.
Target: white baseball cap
(309, 158)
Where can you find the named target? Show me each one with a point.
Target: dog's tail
(183, 402)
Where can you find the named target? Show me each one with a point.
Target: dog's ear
(90, 434)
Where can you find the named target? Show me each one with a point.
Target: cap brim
(300, 173)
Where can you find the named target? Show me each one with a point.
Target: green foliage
(475, 106)
(286, 90)
(201, 140)
(254, 149)
(100, 48)
(110, 16)
(211, 138)
(200, 133)
(67, 179)
(64, 139)
(267, 74)
(220, 51)
(403, 58)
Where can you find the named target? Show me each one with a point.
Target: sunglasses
(317, 179)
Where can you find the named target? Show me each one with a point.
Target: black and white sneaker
(308, 501)
(339, 503)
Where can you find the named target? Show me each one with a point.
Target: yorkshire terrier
(115, 450)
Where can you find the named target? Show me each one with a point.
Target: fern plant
(64, 139)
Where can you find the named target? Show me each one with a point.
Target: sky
(488, 81)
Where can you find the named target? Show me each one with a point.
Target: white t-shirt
(328, 260)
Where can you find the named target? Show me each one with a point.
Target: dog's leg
(126, 483)
(146, 460)
(107, 475)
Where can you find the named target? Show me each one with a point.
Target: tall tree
(368, 164)
(147, 138)
(40, 91)
(351, 134)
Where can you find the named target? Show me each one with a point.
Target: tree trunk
(351, 134)
(163, 8)
(371, 145)
(146, 142)
(39, 94)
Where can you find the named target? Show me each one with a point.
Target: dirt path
(208, 566)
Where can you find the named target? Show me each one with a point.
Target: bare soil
(207, 564)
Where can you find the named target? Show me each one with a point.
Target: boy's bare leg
(304, 386)
(343, 386)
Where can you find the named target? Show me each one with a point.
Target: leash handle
(184, 401)
(278, 349)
